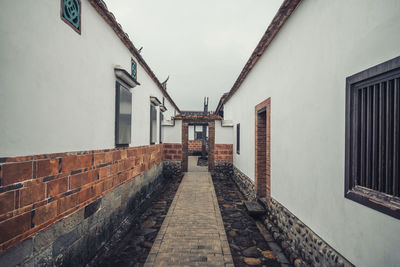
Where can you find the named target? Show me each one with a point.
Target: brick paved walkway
(193, 233)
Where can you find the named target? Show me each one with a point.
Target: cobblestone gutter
(301, 245)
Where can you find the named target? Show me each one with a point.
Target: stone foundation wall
(172, 169)
(74, 240)
(229, 171)
(224, 168)
(301, 245)
(246, 185)
(39, 190)
(299, 242)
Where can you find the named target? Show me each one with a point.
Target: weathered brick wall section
(172, 152)
(211, 145)
(185, 135)
(263, 148)
(223, 152)
(36, 191)
(195, 146)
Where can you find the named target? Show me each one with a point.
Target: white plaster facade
(304, 71)
(173, 134)
(223, 134)
(57, 87)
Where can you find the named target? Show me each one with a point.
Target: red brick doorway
(185, 140)
(263, 148)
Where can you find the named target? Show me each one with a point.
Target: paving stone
(249, 241)
(131, 247)
(193, 232)
(252, 261)
(254, 208)
(251, 252)
(17, 254)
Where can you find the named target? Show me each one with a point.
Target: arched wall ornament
(71, 13)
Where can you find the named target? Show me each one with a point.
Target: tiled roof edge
(284, 12)
(102, 9)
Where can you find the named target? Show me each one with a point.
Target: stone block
(47, 236)
(65, 241)
(254, 208)
(91, 208)
(17, 254)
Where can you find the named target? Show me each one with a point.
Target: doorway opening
(263, 149)
(198, 121)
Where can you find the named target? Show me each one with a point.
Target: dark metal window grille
(198, 135)
(373, 137)
(71, 13)
(238, 138)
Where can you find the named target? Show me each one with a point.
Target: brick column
(263, 149)
(211, 143)
(185, 146)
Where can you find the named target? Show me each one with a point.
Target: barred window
(373, 138)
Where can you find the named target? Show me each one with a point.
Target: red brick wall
(224, 152)
(172, 152)
(195, 145)
(36, 191)
(263, 149)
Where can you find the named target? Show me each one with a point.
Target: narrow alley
(199, 133)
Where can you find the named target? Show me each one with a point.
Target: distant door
(263, 149)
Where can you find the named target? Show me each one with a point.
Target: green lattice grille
(134, 72)
(71, 12)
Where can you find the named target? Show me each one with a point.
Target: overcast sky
(202, 44)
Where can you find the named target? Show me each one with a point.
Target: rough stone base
(228, 170)
(246, 186)
(223, 168)
(74, 240)
(172, 169)
(300, 244)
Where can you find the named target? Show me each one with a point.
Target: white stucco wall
(173, 134)
(191, 132)
(304, 72)
(57, 88)
(223, 135)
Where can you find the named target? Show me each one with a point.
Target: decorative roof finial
(164, 83)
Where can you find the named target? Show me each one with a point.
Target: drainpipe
(204, 139)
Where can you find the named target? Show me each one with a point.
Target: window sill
(378, 201)
(124, 76)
